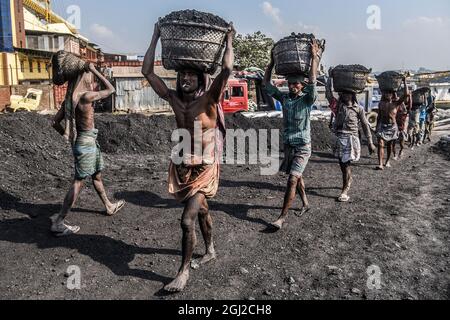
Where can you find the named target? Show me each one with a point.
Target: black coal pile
(31, 151)
(195, 16)
(136, 134)
(321, 135)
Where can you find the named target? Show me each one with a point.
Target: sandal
(64, 230)
(119, 206)
(344, 198)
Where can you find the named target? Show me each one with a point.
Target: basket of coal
(418, 96)
(292, 54)
(390, 81)
(193, 40)
(66, 66)
(350, 78)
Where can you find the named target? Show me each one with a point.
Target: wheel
(372, 118)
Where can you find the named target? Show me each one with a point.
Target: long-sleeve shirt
(296, 113)
(348, 119)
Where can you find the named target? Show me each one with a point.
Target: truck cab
(235, 97)
(30, 102)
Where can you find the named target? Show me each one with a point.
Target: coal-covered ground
(397, 222)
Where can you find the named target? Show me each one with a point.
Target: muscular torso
(388, 112)
(199, 111)
(84, 116)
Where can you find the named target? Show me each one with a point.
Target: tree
(253, 50)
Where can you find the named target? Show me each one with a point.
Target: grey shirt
(348, 120)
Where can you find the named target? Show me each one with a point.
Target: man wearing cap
(297, 106)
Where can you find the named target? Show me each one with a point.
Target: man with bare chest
(78, 112)
(194, 177)
(387, 128)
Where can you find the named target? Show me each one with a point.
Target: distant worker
(431, 113)
(402, 121)
(349, 115)
(387, 128)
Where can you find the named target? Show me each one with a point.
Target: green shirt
(296, 113)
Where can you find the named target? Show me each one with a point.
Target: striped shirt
(296, 113)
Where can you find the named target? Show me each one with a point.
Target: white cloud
(101, 32)
(272, 12)
(436, 22)
(281, 28)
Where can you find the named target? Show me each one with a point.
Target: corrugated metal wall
(135, 95)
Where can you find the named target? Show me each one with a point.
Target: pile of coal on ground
(30, 149)
(140, 134)
(321, 135)
(443, 147)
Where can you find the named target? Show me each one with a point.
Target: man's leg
(347, 180)
(206, 224)
(288, 199)
(111, 208)
(394, 150)
(380, 154)
(59, 227)
(402, 148)
(191, 210)
(390, 146)
(301, 189)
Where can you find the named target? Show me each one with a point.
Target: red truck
(235, 96)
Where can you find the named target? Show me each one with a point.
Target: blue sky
(413, 33)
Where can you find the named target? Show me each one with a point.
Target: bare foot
(278, 225)
(380, 168)
(179, 283)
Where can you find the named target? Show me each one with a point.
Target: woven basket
(66, 67)
(190, 45)
(390, 81)
(292, 55)
(350, 78)
(418, 97)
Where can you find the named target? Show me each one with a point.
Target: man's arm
(220, 82)
(366, 128)
(148, 68)
(405, 92)
(92, 96)
(315, 61)
(56, 124)
(270, 89)
(329, 87)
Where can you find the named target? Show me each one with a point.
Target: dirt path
(398, 220)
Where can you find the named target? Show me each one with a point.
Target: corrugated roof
(136, 72)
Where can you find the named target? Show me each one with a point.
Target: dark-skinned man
(78, 111)
(387, 128)
(196, 179)
(297, 106)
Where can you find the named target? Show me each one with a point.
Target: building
(12, 36)
(441, 89)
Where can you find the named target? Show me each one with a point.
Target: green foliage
(253, 50)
